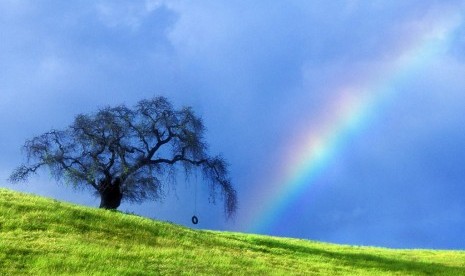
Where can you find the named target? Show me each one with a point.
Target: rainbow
(349, 115)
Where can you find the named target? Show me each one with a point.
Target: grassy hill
(45, 236)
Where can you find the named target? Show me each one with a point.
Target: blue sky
(260, 73)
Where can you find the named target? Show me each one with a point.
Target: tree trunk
(110, 194)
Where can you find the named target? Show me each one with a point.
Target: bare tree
(127, 154)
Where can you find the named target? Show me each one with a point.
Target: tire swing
(195, 219)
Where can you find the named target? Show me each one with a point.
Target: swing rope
(195, 195)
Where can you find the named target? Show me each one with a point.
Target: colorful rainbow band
(350, 115)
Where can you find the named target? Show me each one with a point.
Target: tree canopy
(127, 154)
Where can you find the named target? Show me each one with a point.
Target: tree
(128, 154)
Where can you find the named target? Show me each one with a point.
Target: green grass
(43, 236)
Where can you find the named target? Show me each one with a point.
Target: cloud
(128, 14)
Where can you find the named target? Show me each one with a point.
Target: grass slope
(44, 236)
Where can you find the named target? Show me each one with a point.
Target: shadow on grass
(361, 260)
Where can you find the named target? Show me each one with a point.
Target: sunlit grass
(44, 236)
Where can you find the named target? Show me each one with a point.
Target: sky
(342, 121)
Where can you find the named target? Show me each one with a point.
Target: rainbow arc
(350, 114)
